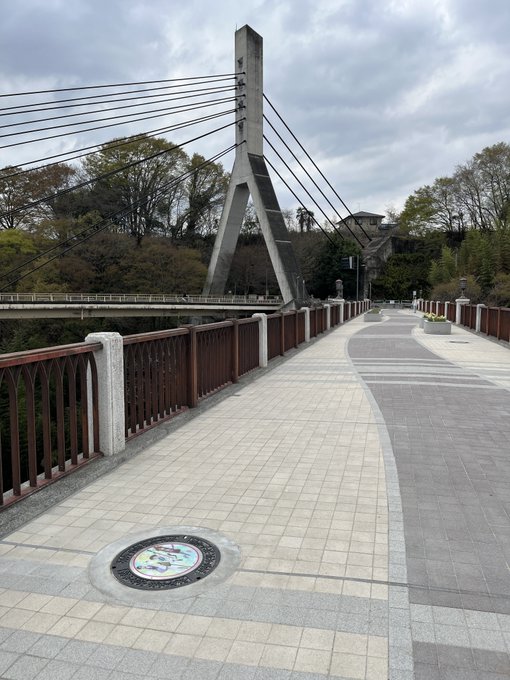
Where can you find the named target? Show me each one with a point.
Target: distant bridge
(87, 305)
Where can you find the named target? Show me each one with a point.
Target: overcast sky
(386, 95)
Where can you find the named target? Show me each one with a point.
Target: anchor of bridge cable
(250, 177)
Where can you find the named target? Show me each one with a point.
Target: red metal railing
(155, 378)
(494, 321)
(50, 396)
(274, 336)
(248, 345)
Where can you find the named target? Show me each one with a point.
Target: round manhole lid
(163, 562)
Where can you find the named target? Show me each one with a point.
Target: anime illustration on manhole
(165, 560)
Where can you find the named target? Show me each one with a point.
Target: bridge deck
(365, 480)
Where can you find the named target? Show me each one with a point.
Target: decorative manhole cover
(460, 342)
(164, 562)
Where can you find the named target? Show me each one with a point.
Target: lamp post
(463, 284)
(462, 300)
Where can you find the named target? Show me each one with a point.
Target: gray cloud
(385, 94)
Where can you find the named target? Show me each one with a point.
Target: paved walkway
(366, 484)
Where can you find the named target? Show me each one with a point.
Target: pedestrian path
(363, 488)
(446, 405)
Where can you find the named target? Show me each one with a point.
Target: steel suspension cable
(317, 168)
(301, 203)
(307, 174)
(306, 190)
(98, 87)
(198, 93)
(169, 112)
(97, 228)
(98, 147)
(101, 120)
(57, 103)
(99, 178)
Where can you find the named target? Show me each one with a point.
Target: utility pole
(250, 176)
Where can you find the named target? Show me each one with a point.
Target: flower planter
(370, 316)
(437, 327)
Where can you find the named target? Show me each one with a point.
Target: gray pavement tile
(136, 661)
(320, 619)
(426, 672)
(4, 634)
(20, 641)
(204, 607)
(48, 646)
(7, 659)
(178, 606)
(25, 668)
(326, 601)
(425, 653)
(271, 674)
(202, 670)
(401, 657)
(289, 616)
(451, 673)
(236, 671)
(167, 666)
(482, 619)
(496, 662)
(58, 670)
(91, 673)
(440, 598)
(460, 657)
(352, 623)
(449, 617)
(77, 651)
(107, 656)
(487, 639)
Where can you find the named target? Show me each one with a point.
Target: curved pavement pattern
(365, 481)
(289, 468)
(446, 406)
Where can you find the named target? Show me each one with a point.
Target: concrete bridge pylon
(250, 177)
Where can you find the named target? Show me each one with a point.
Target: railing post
(192, 366)
(262, 319)
(235, 350)
(306, 310)
(110, 378)
(478, 322)
(342, 316)
(446, 305)
(459, 302)
(328, 316)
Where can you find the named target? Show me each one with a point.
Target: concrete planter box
(370, 316)
(422, 321)
(437, 327)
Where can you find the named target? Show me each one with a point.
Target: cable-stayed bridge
(241, 96)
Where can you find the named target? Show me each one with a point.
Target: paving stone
(25, 668)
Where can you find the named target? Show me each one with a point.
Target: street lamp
(463, 284)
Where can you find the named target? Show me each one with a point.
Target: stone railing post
(262, 319)
(478, 323)
(306, 310)
(328, 316)
(446, 305)
(110, 378)
(459, 302)
(342, 317)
